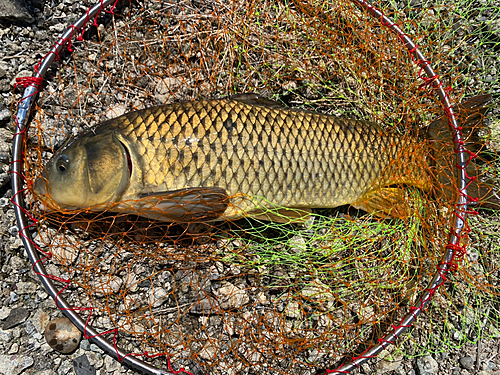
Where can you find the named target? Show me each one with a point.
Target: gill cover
(92, 170)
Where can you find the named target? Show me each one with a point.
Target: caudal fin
(481, 188)
(469, 116)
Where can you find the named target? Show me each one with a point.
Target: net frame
(453, 250)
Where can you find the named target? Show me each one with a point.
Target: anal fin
(387, 202)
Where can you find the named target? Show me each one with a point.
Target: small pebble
(16, 332)
(489, 366)
(82, 366)
(14, 297)
(427, 365)
(365, 368)
(4, 312)
(5, 336)
(30, 328)
(111, 364)
(85, 345)
(41, 294)
(4, 202)
(65, 367)
(467, 362)
(14, 348)
(95, 348)
(4, 114)
(95, 359)
(16, 316)
(62, 335)
(472, 256)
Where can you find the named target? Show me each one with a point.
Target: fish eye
(62, 163)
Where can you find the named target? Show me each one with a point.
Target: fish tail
(481, 189)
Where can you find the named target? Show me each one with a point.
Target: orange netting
(252, 296)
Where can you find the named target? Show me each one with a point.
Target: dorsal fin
(254, 99)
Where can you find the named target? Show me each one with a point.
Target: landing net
(254, 296)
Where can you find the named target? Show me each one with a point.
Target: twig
(492, 357)
(478, 353)
(19, 54)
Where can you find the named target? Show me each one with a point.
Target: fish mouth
(40, 186)
(45, 202)
(41, 194)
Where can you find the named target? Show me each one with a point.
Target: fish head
(94, 169)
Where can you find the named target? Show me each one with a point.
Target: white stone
(4, 312)
(119, 110)
(293, 310)
(165, 89)
(14, 348)
(41, 294)
(16, 332)
(26, 287)
(111, 364)
(427, 365)
(95, 359)
(106, 284)
(5, 336)
(40, 319)
(298, 244)
(65, 367)
(46, 372)
(45, 348)
(160, 295)
(387, 362)
(261, 298)
(207, 352)
(230, 296)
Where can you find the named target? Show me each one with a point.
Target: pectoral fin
(384, 202)
(184, 205)
(282, 215)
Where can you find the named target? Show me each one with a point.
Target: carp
(240, 156)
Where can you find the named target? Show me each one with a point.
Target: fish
(239, 156)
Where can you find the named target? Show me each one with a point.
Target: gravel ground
(27, 30)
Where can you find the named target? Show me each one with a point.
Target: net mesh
(252, 296)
